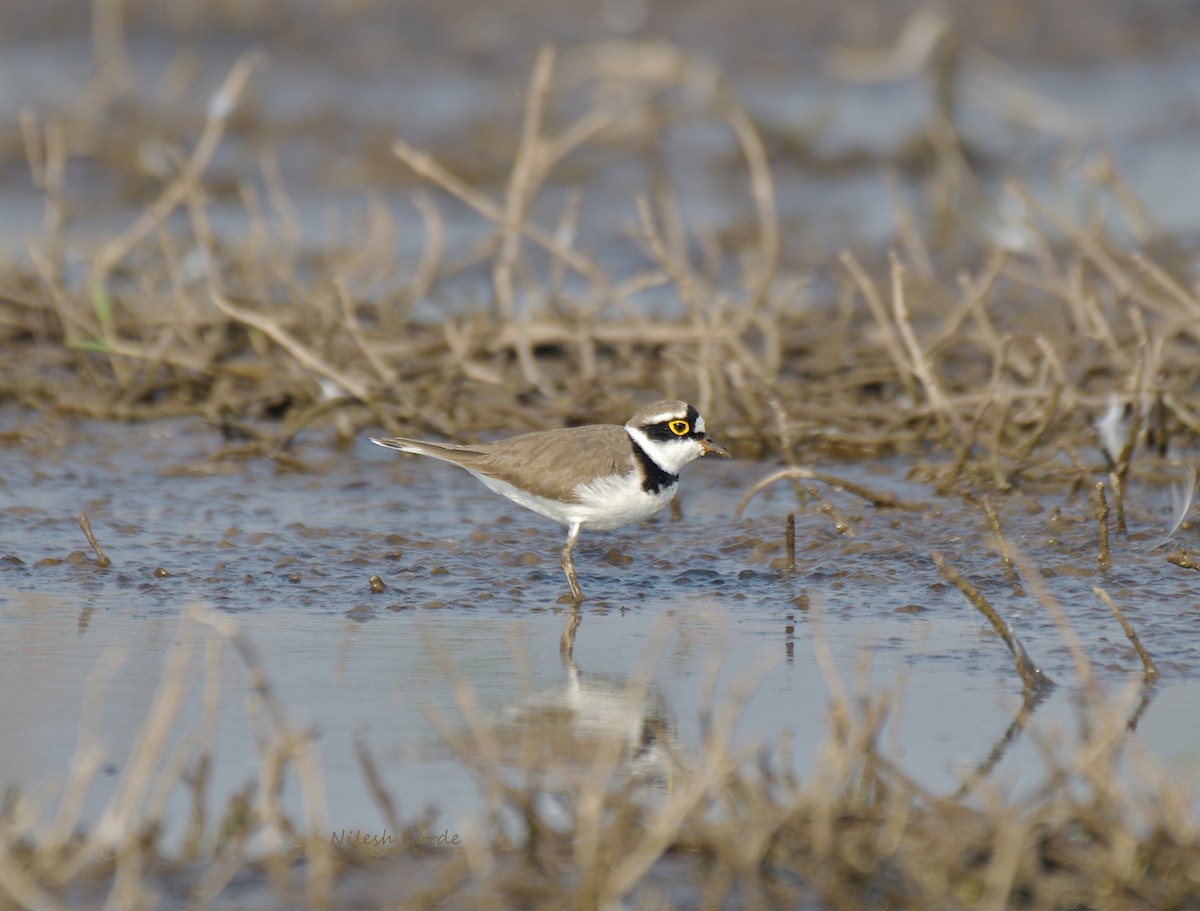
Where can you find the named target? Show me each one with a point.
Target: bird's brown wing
(548, 463)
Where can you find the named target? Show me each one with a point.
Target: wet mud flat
(421, 709)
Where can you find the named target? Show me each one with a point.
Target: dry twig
(882, 499)
(1031, 675)
(1147, 662)
(101, 558)
(1100, 511)
(789, 542)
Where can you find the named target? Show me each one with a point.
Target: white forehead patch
(661, 417)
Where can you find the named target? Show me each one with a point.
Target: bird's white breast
(604, 503)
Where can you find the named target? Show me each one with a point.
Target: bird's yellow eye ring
(679, 428)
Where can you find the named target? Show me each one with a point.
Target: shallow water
(471, 594)
(331, 108)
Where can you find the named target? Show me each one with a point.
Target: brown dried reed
(732, 818)
(1007, 366)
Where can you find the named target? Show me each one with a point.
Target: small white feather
(1113, 428)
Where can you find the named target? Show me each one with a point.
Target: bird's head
(672, 433)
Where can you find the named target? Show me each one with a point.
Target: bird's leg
(568, 564)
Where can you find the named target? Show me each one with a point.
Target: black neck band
(654, 477)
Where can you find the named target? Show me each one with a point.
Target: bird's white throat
(669, 455)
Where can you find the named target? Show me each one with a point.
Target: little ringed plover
(600, 476)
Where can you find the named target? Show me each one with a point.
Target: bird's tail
(447, 452)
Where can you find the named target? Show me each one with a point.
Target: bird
(597, 476)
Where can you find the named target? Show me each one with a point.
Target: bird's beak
(712, 447)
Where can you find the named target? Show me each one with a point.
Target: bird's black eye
(679, 428)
